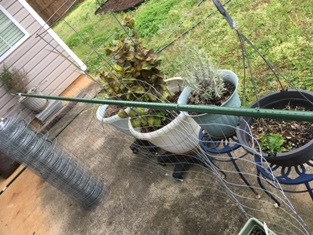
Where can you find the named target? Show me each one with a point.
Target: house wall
(52, 10)
(42, 56)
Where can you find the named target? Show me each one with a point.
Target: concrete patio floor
(141, 197)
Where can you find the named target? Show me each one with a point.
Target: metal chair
(224, 146)
(292, 175)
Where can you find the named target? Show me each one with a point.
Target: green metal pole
(250, 112)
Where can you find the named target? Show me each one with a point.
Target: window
(11, 34)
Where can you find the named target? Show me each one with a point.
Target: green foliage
(148, 118)
(153, 16)
(206, 82)
(271, 143)
(282, 32)
(134, 74)
(14, 80)
(73, 41)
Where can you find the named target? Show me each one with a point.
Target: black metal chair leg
(310, 190)
(241, 176)
(180, 169)
(216, 166)
(264, 189)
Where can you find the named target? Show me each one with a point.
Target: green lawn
(282, 32)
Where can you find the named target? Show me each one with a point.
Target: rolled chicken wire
(53, 165)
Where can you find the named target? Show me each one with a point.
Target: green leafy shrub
(135, 76)
(204, 80)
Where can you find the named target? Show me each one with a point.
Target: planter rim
(250, 223)
(225, 71)
(100, 114)
(153, 134)
(174, 123)
(280, 156)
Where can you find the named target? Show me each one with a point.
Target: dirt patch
(118, 5)
(293, 134)
(112, 110)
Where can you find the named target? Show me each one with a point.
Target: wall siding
(38, 58)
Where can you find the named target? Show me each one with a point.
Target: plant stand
(289, 168)
(224, 146)
(292, 175)
(182, 163)
(137, 144)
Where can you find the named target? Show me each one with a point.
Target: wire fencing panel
(214, 182)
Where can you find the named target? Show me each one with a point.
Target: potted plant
(15, 81)
(135, 76)
(209, 86)
(177, 136)
(254, 227)
(284, 143)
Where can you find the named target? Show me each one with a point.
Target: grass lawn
(281, 31)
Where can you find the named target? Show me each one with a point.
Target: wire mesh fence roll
(53, 165)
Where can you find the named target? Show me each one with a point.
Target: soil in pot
(118, 5)
(277, 136)
(112, 110)
(257, 231)
(228, 90)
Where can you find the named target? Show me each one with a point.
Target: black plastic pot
(279, 100)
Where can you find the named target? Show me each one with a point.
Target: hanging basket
(278, 100)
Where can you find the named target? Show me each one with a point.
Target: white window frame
(16, 45)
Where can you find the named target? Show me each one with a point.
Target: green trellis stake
(250, 112)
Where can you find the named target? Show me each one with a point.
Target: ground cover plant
(277, 136)
(281, 31)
